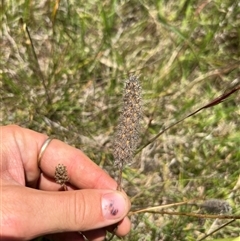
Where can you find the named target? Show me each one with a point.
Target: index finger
(82, 172)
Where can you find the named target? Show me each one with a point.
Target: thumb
(89, 209)
(44, 212)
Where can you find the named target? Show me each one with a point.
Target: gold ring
(42, 150)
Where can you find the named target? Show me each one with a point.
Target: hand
(31, 203)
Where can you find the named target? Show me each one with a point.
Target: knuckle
(77, 211)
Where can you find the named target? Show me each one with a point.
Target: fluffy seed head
(216, 206)
(127, 135)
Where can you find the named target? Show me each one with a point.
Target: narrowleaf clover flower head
(127, 136)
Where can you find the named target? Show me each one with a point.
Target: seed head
(61, 175)
(216, 206)
(127, 135)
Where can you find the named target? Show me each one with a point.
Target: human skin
(31, 203)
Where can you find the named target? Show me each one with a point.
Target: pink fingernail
(113, 205)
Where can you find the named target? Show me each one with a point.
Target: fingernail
(113, 205)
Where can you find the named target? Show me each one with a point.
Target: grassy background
(185, 53)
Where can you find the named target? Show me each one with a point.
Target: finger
(49, 184)
(123, 227)
(82, 172)
(20, 148)
(28, 144)
(55, 212)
